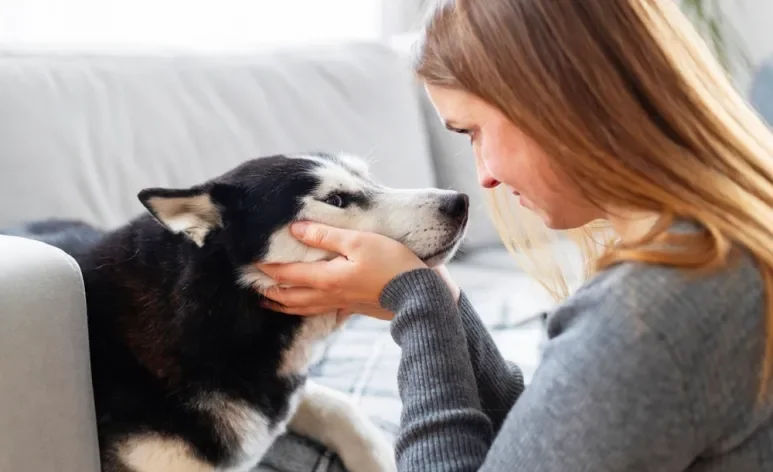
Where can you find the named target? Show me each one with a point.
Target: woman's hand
(350, 283)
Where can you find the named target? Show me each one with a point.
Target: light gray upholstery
(47, 418)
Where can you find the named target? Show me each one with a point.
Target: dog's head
(247, 211)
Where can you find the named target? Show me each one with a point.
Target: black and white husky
(190, 373)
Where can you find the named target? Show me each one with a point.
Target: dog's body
(190, 372)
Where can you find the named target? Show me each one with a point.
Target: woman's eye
(335, 200)
(467, 132)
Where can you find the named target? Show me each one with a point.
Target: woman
(588, 111)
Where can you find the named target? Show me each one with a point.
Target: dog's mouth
(437, 257)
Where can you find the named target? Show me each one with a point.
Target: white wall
(185, 24)
(753, 22)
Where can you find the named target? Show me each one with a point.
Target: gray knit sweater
(645, 370)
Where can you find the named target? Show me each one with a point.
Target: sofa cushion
(47, 418)
(83, 133)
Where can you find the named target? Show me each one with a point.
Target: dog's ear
(192, 211)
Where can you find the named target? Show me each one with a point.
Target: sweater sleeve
(499, 381)
(443, 425)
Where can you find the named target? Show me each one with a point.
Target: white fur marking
(155, 454)
(314, 329)
(249, 427)
(283, 247)
(357, 164)
(333, 419)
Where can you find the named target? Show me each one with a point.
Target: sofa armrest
(47, 419)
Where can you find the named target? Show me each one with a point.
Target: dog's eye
(335, 200)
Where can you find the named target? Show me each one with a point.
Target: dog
(190, 372)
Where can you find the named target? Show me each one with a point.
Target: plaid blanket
(362, 360)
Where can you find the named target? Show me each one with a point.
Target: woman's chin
(562, 222)
(553, 224)
(564, 217)
(551, 220)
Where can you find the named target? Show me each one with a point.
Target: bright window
(189, 24)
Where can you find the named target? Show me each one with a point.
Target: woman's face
(506, 156)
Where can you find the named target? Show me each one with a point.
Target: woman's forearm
(443, 424)
(499, 382)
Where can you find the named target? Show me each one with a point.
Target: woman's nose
(484, 176)
(488, 182)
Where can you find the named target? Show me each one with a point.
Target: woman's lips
(521, 199)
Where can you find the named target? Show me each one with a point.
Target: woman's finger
(302, 274)
(297, 296)
(300, 311)
(333, 239)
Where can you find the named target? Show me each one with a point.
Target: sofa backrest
(81, 135)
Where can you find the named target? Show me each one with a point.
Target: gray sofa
(81, 134)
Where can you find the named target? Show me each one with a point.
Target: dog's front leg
(332, 419)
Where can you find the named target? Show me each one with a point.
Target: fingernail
(299, 228)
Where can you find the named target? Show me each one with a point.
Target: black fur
(167, 320)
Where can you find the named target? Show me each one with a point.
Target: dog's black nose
(455, 206)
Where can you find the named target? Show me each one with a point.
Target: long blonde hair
(628, 101)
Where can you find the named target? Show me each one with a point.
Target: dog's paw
(371, 453)
(334, 420)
